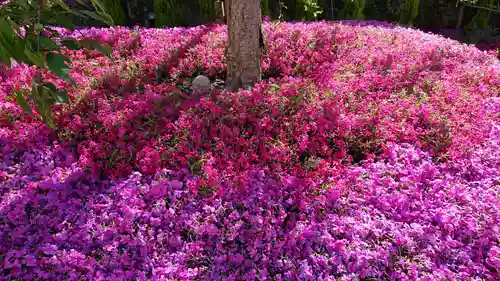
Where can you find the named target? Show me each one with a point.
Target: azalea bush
(369, 151)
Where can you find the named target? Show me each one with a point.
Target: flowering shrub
(405, 218)
(370, 151)
(381, 75)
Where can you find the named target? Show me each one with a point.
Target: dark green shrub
(409, 12)
(168, 13)
(353, 9)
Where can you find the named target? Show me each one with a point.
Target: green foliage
(57, 64)
(308, 9)
(380, 10)
(409, 11)
(354, 9)
(264, 5)
(437, 14)
(22, 23)
(168, 13)
(207, 9)
(482, 16)
(115, 10)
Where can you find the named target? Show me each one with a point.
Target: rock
(201, 84)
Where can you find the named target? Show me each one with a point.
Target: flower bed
(371, 151)
(403, 218)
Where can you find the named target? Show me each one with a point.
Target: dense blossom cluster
(369, 152)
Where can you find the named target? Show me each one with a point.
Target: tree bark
(244, 51)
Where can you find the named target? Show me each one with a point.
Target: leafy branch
(472, 4)
(24, 25)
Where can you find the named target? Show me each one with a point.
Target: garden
(369, 151)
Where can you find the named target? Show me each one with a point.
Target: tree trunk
(244, 50)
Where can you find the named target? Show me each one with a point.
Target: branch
(497, 10)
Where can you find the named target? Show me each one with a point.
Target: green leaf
(43, 102)
(99, 16)
(64, 20)
(61, 19)
(13, 46)
(34, 57)
(4, 56)
(57, 64)
(15, 49)
(108, 19)
(48, 44)
(83, 3)
(45, 43)
(23, 4)
(98, 5)
(53, 32)
(35, 94)
(70, 43)
(38, 77)
(105, 49)
(14, 25)
(62, 4)
(86, 44)
(89, 44)
(60, 97)
(50, 86)
(4, 51)
(21, 101)
(6, 29)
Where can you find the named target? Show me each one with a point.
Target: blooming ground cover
(368, 152)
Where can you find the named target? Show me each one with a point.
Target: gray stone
(201, 84)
